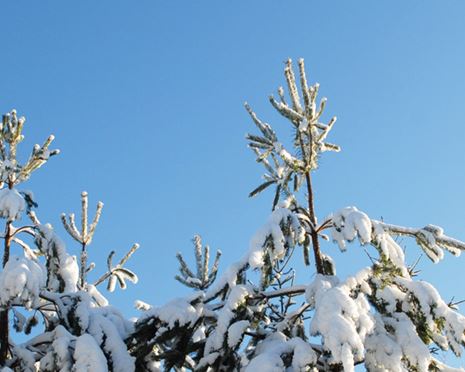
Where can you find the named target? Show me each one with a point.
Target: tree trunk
(314, 234)
(4, 323)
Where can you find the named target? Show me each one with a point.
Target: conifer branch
(430, 238)
(84, 237)
(11, 172)
(309, 143)
(33, 217)
(118, 273)
(87, 232)
(84, 204)
(205, 276)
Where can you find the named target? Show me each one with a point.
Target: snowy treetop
(255, 315)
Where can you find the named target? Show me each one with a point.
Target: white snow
(434, 308)
(351, 329)
(236, 332)
(11, 204)
(99, 299)
(348, 223)
(237, 297)
(342, 321)
(177, 311)
(382, 351)
(88, 356)
(390, 249)
(66, 266)
(272, 229)
(268, 354)
(258, 245)
(60, 353)
(108, 328)
(410, 343)
(199, 334)
(21, 281)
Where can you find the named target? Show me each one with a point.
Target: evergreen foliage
(255, 316)
(45, 284)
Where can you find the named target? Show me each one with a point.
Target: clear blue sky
(146, 101)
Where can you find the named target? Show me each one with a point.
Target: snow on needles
(11, 204)
(66, 271)
(237, 297)
(272, 229)
(88, 355)
(270, 239)
(21, 281)
(375, 317)
(341, 320)
(178, 311)
(348, 223)
(268, 354)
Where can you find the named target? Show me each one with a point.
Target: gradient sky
(146, 98)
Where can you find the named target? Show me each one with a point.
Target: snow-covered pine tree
(42, 283)
(257, 316)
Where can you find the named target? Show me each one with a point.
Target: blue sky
(146, 101)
